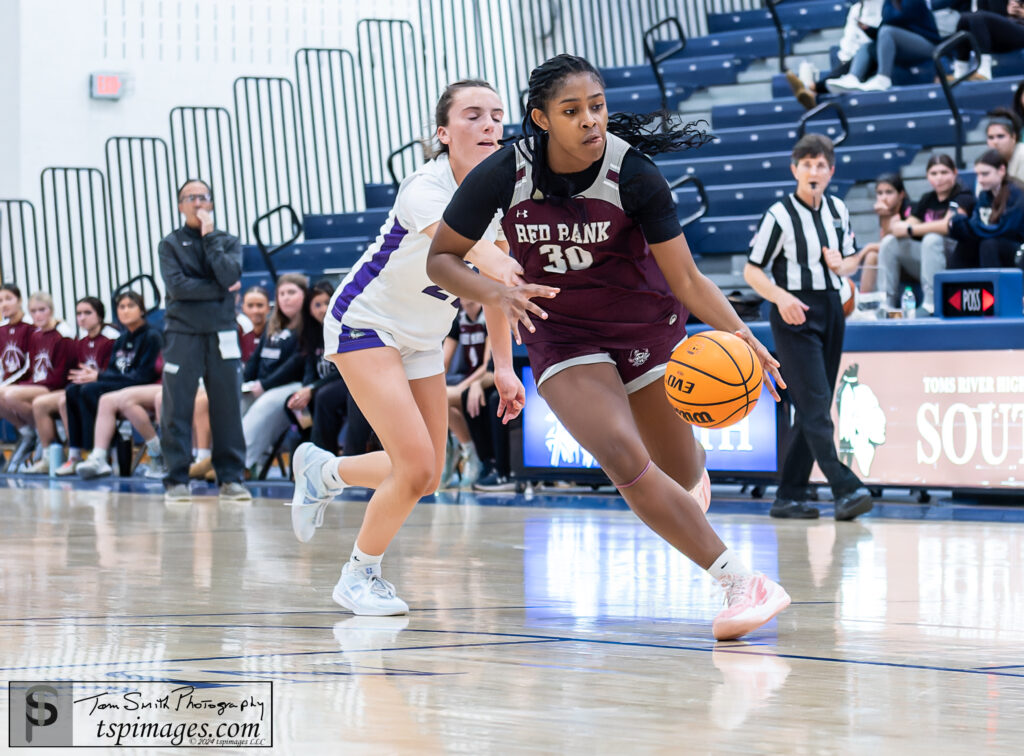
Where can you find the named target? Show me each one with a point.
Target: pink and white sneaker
(702, 492)
(750, 601)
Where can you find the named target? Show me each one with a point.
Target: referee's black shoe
(857, 502)
(793, 510)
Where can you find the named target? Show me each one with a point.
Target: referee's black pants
(809, 354)
(187, 358)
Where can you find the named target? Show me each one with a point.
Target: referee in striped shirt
(802, 245)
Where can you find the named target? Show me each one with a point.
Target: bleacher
(754, 120)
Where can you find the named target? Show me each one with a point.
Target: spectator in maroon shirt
(90, 355)
(14, 333)
(49, 354)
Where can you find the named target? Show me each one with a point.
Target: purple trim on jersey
(369, 270)
(354, 339)
(613, 176)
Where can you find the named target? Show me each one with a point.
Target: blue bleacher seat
(852, 163)
(738, 199)
(316, 255)
(340, 225)
(645, 98)
(808, 16)
(926, 129)
(747, 43)
(690, 72)
(380, 195)
(713, 235)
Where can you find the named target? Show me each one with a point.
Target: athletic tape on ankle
(637, 478)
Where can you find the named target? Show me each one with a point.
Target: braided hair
(635, 129)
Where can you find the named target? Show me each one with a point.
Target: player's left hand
(769, 364)
(509, 271)
(511, 394)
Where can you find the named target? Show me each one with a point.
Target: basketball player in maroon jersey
(588, 214)
(14, 335)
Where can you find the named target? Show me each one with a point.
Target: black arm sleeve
(486, 189)
(647, 199)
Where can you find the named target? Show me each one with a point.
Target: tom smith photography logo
(67, 714)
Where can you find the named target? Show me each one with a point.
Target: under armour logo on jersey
(521, 213)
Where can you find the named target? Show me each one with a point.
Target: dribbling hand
(516, 305)
(769, 364)
(511, 394)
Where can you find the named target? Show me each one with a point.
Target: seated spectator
(14, 335)
(133, 362)
(862, 23)
(920, 244)
(89, 356)
(1002, 134)
(322, 402)
(1018, 106)
(274, 372)
(996, 32)
(49, 356)
(138, 405)
(252, 321)
(991, 235)
(466, 398)
(907, 35)
(891, 204)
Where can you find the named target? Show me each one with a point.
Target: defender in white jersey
(384, 332)
(387, 298)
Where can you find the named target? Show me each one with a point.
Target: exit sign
(106, 85)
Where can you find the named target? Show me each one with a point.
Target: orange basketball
(713, 379)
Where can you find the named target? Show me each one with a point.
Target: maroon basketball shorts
(638, 366)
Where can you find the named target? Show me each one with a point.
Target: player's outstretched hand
(516, 305)
(769, 364)
(511, 394)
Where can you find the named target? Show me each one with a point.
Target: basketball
(848, 296)
(713, 379)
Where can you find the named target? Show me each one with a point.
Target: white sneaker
(808, 73)
(40, 467)
(311, 495)
(69, 466)
(845, 83)
(157, 469)
(363, 591)
(94, 467)
(472, 468)
(877, 83)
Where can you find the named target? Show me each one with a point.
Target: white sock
(330, 476)
(98, 453)
(728, 563)
(365, 562)
(74, 453)
(960, 67)
(985, 66)
(202, 454)
(153, 446)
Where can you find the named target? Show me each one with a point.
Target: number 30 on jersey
(563, 260)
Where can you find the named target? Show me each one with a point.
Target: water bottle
(54, 458)
(908, 304)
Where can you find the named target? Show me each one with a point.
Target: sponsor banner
(943, 419)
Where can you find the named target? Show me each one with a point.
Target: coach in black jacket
(201, 268)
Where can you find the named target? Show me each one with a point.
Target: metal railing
(203, 146)
(142, 203)
(152, 302)
(408, 146)
(702, 195)
(655, 58)
(19, 245)
(947, 47)
(268, 138)
(392, 83)
(75, 234)
(780, 32)
(267, 253)
(801, 126)
(329, 110)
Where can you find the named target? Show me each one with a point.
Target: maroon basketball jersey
(472, 337)
(14, 350)
(49, 353)
(612, 291)
(94, 352)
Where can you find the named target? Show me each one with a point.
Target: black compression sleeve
(486, 189)
(647, 198)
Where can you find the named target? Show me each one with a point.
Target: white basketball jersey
(388, 289)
